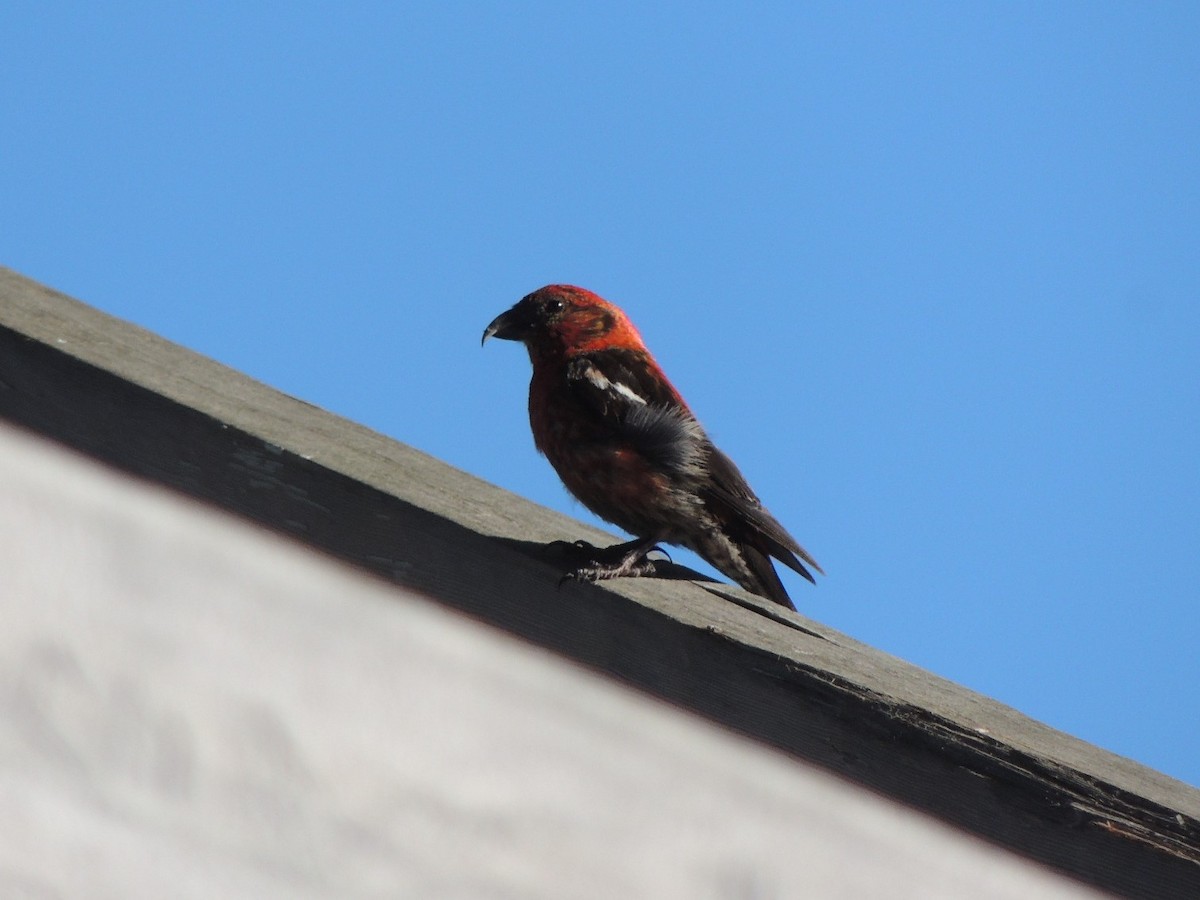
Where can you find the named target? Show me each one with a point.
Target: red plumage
(625, 443)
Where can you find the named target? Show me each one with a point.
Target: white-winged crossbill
(624, 442)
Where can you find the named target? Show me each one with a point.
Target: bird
(628, 447)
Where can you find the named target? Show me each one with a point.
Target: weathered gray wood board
(130, 399)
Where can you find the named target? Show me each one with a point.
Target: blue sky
(929, 272)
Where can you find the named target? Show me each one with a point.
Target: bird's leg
(618, 561)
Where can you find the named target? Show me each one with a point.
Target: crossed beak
(508, 326)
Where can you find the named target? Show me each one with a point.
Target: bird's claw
(644, 568)
(658, 549)
(612, 562)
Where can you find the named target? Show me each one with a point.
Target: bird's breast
(605, 473)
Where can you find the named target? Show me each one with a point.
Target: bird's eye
(555, 306)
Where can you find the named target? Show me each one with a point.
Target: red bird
(624, 442)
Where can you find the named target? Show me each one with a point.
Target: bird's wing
(628, 393)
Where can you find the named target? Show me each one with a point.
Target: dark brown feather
(732, 500)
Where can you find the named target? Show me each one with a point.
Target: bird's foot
(629, 560)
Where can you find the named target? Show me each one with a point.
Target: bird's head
(559, 320)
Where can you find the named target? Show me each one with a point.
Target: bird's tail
(764, 579)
